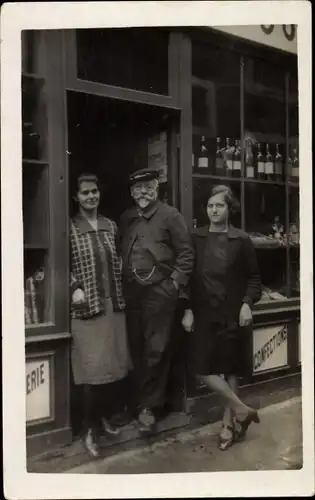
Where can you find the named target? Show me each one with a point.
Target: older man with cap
(158, 259)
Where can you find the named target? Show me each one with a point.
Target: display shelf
(35, 246)
(235, 179)
(27, 161)
(34, 76)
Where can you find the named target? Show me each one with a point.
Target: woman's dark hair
(87, 178)
(229, 197)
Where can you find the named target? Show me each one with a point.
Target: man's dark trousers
(150, 313)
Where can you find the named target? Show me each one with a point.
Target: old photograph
(161, 249)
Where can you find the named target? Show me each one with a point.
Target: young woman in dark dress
(224, 286)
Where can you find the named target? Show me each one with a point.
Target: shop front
(202, 105)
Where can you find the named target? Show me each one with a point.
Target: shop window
(35, 185)
(215, 110)
(135, 58)
(254, 150)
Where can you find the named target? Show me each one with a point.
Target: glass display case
(245, 135)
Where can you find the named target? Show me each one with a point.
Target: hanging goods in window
(278, 164)
(228, 153)
(269, 165)
(260, 163)
(237, 160)
(203, 160)
(249, 160)
(295, 165)
(219, 162)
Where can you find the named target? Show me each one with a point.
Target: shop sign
(157, 154)
(270, 348)
(38, 405)
(278, 36)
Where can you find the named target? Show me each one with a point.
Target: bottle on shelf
(228, 153)
(249, 160)
(237, 160)
(269, 165)
(295, 166)
(203, 159)
(260, 164)
(219, 162)
(194, 221)
(278, 164)
(289, 165)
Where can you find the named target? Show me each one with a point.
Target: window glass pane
(37, 292)
(294, 240)
(34, 119)
(264, 121)
(216, 111)
(135, 58)
(265, 222)
(201, 193)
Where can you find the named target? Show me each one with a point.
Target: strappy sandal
(241, 426)
(225, 443)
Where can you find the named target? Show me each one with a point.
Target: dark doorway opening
(110, 137)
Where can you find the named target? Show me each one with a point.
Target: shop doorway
(112, 138)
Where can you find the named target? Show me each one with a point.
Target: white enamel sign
(37, 390)
(270, 348)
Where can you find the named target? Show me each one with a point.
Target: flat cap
(145, 174)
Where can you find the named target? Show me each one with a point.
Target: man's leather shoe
(147, 421)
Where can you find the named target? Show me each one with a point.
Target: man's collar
(203, 231)
(150, 210)
(84, 226)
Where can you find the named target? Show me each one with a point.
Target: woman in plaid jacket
(99, 343)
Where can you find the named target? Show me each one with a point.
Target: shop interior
(110, 138)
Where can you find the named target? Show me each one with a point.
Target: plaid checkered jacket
(87, 269)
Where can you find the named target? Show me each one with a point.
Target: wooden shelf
(235, 179)
(33, 76)
(27, 161)
(35, 246)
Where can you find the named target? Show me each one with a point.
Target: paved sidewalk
(274, 444)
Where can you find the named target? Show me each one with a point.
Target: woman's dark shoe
(226, 440)
(241, 426)
(147, 421)
(109, 428)
(91, 445)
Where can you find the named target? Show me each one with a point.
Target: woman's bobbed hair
(87, 178)
(229, 197)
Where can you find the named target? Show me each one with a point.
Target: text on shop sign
(270, 349)
(37, 390)
(288, 30)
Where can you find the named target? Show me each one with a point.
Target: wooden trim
(58, 179)
(46, 337)
(103, 90)
(185, 179)
(37, 443)
(242, 124)
(70, 55)
(173, 66)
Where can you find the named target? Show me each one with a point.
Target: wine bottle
(237, 160)
(289, 166)
(228, 158)
(295, 166)
(269, 165)
(249, 160)
(219, 164)
(203, 160)
(278, 164)
(260, 163)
